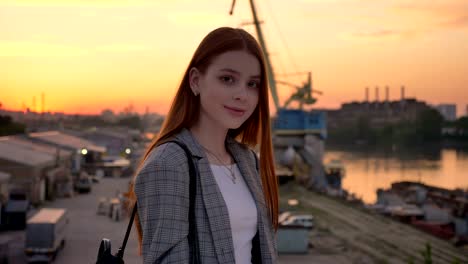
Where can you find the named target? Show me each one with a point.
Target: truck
(45, 234)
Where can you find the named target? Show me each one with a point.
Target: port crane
(298, 135)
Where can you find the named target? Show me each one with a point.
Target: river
(369, 169)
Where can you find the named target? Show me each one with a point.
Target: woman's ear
(194, 79)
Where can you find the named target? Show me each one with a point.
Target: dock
(365, 233)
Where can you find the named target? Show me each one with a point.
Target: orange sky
(93, 54)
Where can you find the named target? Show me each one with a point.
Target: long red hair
(255, 130)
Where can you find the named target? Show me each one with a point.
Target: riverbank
(348, 230)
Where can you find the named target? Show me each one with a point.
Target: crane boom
(269, 67)
(303, 94)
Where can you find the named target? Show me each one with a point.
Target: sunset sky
(95, 54)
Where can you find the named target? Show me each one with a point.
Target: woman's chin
(234, 125)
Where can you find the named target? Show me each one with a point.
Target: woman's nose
(241, 93)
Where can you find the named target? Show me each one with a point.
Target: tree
(131, 122)
(462, 126)
(363, 127)
(8, 127)
(429, 125)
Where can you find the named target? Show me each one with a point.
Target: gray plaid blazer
(162, 191)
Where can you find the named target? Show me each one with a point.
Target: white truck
(45, 234)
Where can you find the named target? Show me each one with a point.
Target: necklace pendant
(233, 176)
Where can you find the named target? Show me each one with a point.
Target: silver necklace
(230, 168)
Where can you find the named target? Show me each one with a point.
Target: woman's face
(229, 89)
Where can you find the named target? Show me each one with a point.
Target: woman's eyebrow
(238, 73)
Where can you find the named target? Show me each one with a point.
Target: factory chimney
(403, 93)
(34, 104)
(387, 94)
(377, 94)
(367, 94)
(43, 102)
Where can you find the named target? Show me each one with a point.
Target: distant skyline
(130, 110)
(87, 56)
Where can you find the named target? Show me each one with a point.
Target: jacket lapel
(213, 200)
(244, 160)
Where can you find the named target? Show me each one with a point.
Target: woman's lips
(235, 111)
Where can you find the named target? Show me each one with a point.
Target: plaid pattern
(162, 190)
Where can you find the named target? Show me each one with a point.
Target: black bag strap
(192, 236)
(121, 250)
(256, 159)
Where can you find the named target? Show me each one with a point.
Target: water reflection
(370, 169)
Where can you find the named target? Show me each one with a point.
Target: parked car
(95, 179)
(83, 185)
(4, 249)
(300, 220)
(45, 234)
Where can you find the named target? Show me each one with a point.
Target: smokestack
(367, 94)
(387, 93)
(43, 102)
(402, 102)
(310, 81)
(34, 104)
(377, 94)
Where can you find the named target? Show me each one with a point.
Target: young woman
(219, 112)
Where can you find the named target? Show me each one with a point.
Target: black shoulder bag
(104, 254)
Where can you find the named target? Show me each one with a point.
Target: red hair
(255, 130)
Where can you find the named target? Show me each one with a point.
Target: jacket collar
(240, 155)
(186, 137)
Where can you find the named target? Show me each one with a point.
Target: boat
(442, 230)
(334, 172)
(438, 211)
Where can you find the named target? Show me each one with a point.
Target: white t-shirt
(242, 210)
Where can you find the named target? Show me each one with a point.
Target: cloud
(438, 14)
(458, 22)
(415, 19)
(32, 49)
(377, 33)
(95, 14)
(382, 34)
(327, 1)
(38, 49)
(121, 48)
(76, 3)
(196, 18)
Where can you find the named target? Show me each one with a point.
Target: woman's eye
(227, 79)
(254, 84)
